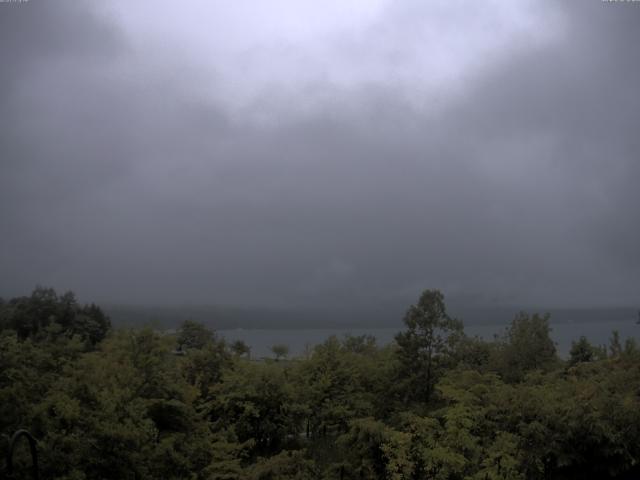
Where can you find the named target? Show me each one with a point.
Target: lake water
(300, 340)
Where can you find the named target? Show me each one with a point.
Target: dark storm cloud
(579, 100)
(127, 184)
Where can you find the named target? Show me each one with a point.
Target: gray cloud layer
(127, 182)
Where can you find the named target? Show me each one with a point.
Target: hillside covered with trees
(108, 403)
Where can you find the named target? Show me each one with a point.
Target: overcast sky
(297, 152)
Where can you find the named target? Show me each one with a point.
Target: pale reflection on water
(301, 341)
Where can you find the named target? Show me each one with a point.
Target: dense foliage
(435, 404)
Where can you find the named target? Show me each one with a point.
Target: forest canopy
(434, 404)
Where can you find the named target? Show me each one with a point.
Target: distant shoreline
(228, 318)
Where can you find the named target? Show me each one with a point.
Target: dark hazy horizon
(302, 153)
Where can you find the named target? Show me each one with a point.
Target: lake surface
(301, 340)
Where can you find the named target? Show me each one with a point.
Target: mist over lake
(302, 328)
(302, 341)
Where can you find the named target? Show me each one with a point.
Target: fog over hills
(383, 316)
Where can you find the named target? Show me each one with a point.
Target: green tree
(240, 348)
(193, 335)
(615, 347)
(257, 402)
(526, 346)
(373, 450)
(286, 465)
(582, 351)
(474, 353)
(336, 385)
(203, 368)
(44, 314)
(280, 351)
(427, 347)
(123, 411)
(360, 344)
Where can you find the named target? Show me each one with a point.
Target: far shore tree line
(434, 404)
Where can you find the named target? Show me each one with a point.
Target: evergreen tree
(427, 346)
